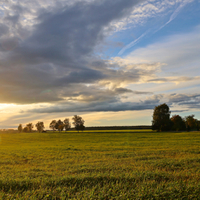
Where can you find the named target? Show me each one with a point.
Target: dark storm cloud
(52, 58)
(113, 106)
(105, 103)
(73, 32)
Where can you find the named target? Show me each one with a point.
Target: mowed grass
(138, 164)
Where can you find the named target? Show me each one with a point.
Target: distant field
(130, 164)
(109, 131)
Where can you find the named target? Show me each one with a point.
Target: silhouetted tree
(30, 127)
(20, 128)
(26, 129)
(161, 118)
(178, 123)
(81, 127)
(67, 124)
(78, 123)
(197, 125)
(53, 125)
(59, 125)
(190, 122)
(40, 126)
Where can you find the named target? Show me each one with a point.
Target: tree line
(162, 121)
(59, 125)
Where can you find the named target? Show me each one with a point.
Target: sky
(111, 62)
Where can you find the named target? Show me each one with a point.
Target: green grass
(138, 164)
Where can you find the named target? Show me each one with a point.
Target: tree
(78, 123)
(67, 124)
(81, 127)
(161, 118)
(40, 126)
(197, 125)
(59, 125)
(190, 122)
(30, 127)
(178, 123)
(25, 129)
(20, 128)
(53, 125)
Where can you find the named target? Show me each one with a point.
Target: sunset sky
(109, 61)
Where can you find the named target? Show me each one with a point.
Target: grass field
(100, 165)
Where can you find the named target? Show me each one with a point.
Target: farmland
(130, 164)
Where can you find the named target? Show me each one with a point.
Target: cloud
(178, 52)
(178, 9)
(189, 101)
(104, 106)
(152, 9)
(142, 12)
(186, 101)
(176, 80)
(47, 51)
(176, 12)
(48, 55)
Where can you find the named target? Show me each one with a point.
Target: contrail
(132, 44)
(174, 15)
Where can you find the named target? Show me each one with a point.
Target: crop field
(131, 164)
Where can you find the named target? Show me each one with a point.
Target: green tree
(67, 124)
(78, 123)
(20, 128)
(178, 123)
(161, 118)
(40, 126)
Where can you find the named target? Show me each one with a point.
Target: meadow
(131, 164)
